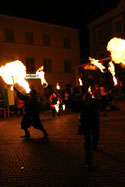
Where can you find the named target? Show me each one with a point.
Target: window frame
(29, 37)
(30, 65)
(67, 66)
(47, 63)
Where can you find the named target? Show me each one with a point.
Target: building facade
(101, 30)
(39, 44)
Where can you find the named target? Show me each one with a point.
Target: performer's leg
(25, 124)
(38, 125)
(87, 147)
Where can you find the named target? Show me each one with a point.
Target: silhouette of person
(89, 126)
(31, 116)
(54, 101)
(20, 107)
(89, 123)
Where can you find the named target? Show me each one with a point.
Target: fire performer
(32, 111)
(89, 124)
(55, 102)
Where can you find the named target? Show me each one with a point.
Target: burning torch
(44, 83)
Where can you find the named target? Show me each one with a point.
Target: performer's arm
(20, 95)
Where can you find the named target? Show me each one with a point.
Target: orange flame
(57, 86)
(89, 90)
(116, 46)
(41, 73)
(96, 63)
(111, 68)
(80, 82)
(89, 67)
(57, 106)
(15, 72)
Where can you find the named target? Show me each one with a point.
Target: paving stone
(59, 160)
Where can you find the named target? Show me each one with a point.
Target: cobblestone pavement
(59, 160)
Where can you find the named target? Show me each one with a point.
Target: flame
(89, 67)
(14, 72)
(41, 73)
(89, 90)
(63, 107)
(111, 68)
(80, 82)
(116, 46)
(96, 63)
(57, 106)
(57, 86)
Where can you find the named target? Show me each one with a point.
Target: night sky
(71, 13)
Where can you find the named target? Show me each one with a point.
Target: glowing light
(63, 107)
(41, 75)
(14, 72)
(89, 67)
(80, 82)
(116, 46)
(57, 106)
(57, 86)
(111, 68)
(90, 90)
(96, 63)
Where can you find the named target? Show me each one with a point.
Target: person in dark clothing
(89, 126)
(54, 101)
(32, 111)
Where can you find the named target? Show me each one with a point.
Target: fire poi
(41, 73)
(116, 46)
(45, 84)
(57, 86)
(80, 82)
(15, 72)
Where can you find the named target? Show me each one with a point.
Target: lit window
(47, 65)
(29, 37)
(30, 65)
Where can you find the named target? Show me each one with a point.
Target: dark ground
(59, 161)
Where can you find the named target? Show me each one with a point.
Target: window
(47, 65)
(29, 37)
(9, 35)
(46, 40)
(67, 43)
(30, 65)
(119, 28)
(67, 66)
(118, 25)
(99, 33)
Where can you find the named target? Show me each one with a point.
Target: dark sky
(71, 13)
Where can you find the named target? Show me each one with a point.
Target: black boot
(27, 134)
(45, 134)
